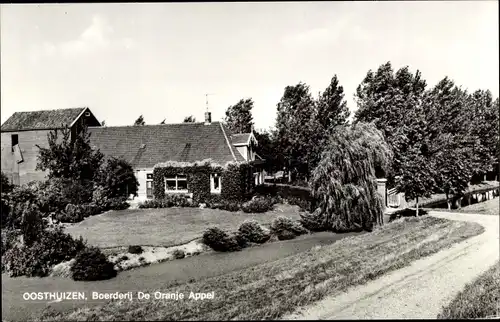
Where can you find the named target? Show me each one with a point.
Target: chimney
(208, 118)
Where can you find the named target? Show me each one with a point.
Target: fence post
(382, 190)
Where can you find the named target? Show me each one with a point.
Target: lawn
(275, 288)
(479, 299)
(164, 227)
(489, 207)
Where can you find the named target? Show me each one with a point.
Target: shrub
(117, 178)
(406, 213)
(168, 201)
(283, 227)
(254, 232)
(135, 249)
(72, 214)
(179, 254)
(32, 224)
(9, 239)
(51, 248)
(118, 203)
(285, 235)
(5, 185)
(312, 222)
(258, 205)
(92, 265)
(305, 205)
(219, 240)
(240, 239)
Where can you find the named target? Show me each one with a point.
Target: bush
(254, 232)
(92, 265)
(32, 224)
(406, 213)
(119, 203)
(9, 239)
(305, 205)
(5, 185)
(220, 241)
(169, 201)
(312, 222)
(218, 202)
(135, 249)
(179, 254)
(117, 178)
(283, 227)
(51, 248)
(258, 205)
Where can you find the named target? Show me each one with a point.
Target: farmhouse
(23, 131)
(146, 147)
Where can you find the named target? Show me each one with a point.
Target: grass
(489, 207)
(164, 227)
(479, 299)
(273, 289)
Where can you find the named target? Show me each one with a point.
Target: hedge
(294, 194)
(236, 179)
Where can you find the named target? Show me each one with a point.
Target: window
(15, 140)
(149, 185)
(215, 185)
(176, 184)
(149, 176)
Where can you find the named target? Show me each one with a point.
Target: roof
(41, 120)
(146, 145)
(242, 138)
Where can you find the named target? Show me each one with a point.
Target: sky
(160, 59)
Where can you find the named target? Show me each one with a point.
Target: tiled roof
(41, 120)
(240, 138)
(144, 146)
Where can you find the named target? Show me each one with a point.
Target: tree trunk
(417, 207)
(448, 201)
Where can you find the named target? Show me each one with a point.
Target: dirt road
(421, 289)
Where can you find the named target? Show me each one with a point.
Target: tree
(117, 178)
(239, 116)
(344, 181)
(69, 156)
(189, 119)
(332, 108)
(6, 186)
(297, 135)
(140, 121)
(267, 150)
(162, 122)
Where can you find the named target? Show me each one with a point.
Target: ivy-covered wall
(236, 179)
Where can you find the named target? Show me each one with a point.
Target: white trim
(212, 183)
(227, 141)
(79, 115)
(177, 179)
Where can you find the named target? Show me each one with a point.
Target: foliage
(189, 119)
(258, 205)
(118, 179)
(285, 228)
(32, 224)
(239, 116)
(5, 184)
(220, 241)
(407, 212)
(294, 195)
(254, 232)
(344, 182)
(313, 222)
(9, 239)
(170, 200)
(296, 135)
(69, 157)
(332, 108)
(217, 202)
(140, 121)
(51, 248)
(179, 254)
(236, 179)
(268, 150)
(135, 249)
(118, 203)
(92, 265)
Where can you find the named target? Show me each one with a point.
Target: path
(420, 289)
(156, 277)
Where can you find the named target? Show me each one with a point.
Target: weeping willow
(344, 182)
